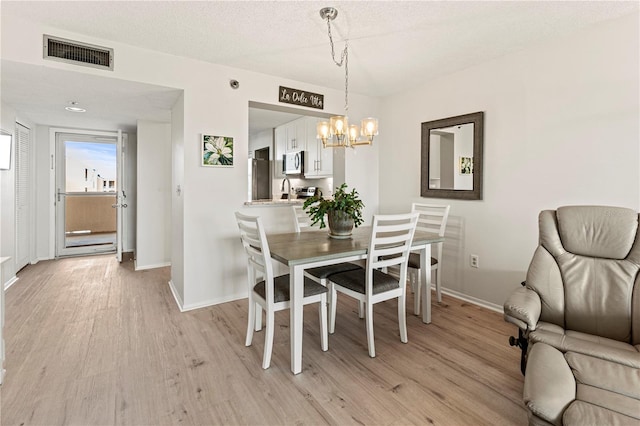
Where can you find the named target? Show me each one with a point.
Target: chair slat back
(254, 241)
(433, 217)
(391, 238)
(301, 219)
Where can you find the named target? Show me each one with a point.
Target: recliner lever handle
(522, 343)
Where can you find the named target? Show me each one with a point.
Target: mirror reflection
(452, 157)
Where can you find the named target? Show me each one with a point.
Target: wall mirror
(452, 157)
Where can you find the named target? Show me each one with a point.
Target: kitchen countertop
(261, 203)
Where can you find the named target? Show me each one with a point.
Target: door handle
(114, 205)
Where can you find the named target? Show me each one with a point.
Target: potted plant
(343, 211)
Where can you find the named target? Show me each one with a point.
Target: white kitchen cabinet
(318, 161)
(296, 135)
(300, 135)
(289, 137)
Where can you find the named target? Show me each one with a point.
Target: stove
(305, 192)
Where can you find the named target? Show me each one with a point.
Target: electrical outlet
(474, 260)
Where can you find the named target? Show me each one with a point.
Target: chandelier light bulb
(354, 131)
(322, 130)
(338, 124)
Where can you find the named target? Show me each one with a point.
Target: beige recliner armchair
(581, 301)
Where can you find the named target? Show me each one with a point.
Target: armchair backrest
(585, 270)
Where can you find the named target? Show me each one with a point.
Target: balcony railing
(92, 212)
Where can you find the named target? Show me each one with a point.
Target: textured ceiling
(393, 45)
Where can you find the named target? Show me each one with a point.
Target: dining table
(311, 249)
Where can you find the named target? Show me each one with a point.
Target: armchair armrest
(522, 308)
(549, 386)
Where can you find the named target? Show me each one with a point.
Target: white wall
(561, 128)
(7, 203)
(261, 140)
(177, 201)
(45, 210)
(130, 188)
(153, 225)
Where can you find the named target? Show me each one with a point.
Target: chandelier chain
(344, 60)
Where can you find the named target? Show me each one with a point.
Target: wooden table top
(295, 248)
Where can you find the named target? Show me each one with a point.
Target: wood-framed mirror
(451, 159)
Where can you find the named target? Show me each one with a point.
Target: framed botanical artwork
(217, 151)
(466, 165)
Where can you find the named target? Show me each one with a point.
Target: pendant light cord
(344, 60)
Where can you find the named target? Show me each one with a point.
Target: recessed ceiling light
(74, 108)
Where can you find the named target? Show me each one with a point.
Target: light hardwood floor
(92, 342)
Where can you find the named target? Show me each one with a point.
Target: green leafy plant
(348, 202)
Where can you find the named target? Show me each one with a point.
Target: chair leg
(324, 336)
(268, 340)
(333, 301)
(402, 318)
(361, 313)
(416, 294)
(250, 321)
(438, 290)
(258, 317)
(369, 322)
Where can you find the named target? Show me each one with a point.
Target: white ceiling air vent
(75, 52)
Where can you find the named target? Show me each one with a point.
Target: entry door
(87, 197)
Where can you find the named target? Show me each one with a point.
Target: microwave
(293, 163)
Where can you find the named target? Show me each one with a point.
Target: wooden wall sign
(300, 97)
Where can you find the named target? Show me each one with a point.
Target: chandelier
(337, 132)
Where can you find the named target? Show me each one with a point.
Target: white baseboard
(474, 300)
(11, 282)
(212, 302)
(176, 296)
(203, 304)
(142, 268)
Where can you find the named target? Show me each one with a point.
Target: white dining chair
(390, 245)
(301, 220)
(320, 274)
(433, 218)
(272, 293)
